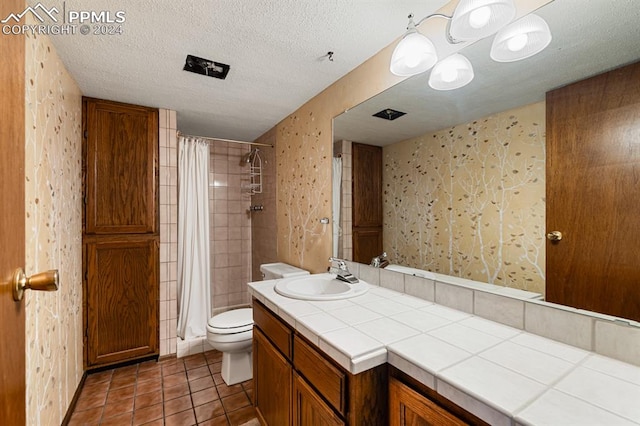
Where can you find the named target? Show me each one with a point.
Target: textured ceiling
(276, 50)
(589, 37)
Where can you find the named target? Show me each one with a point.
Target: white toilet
(231, 332)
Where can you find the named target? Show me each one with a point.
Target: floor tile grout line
(205, 361)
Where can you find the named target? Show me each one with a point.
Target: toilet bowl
(231, 332)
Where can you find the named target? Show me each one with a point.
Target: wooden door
(593, 193)
(309, 409)
(367, 202)
(271, 382)
(408, 408)
(12, 222)
(122, 299)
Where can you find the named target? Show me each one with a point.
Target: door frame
(12, 221)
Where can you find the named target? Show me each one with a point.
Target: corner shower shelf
(255, 174)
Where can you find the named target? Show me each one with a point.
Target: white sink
(319, 287)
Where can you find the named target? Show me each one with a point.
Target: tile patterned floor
(182, 392)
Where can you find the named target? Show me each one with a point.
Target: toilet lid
(233, 321)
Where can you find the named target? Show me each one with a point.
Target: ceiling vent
(206, 67)
(389, 114)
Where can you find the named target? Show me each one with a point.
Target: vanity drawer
(328, 380)
(278, 332)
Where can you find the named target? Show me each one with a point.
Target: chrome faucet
(342, 271)
(380, 261)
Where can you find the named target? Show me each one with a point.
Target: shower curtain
(194, 291)
(337, 181)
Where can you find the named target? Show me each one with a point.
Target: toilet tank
(272, 271)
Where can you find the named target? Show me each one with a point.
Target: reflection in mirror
(464, 171)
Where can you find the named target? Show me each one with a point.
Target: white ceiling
(589, 37)
(276, 50)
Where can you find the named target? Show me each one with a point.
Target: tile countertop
(501, 374)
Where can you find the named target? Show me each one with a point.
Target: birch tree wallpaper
(469, 201)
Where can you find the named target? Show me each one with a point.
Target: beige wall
(471, 200)
(53, 232)
(263, 240)
(304, 150)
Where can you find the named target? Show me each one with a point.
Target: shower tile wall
(345, 245)
(168, 230)
(230, 226)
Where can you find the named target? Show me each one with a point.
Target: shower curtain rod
(179, 133)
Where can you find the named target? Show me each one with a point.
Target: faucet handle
(341, 263)
(376, 262)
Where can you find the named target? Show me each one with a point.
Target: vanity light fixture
(476, 19)
(472, 20)
(414, 54)
(521, 39)
(450, 73)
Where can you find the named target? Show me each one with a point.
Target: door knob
(554, 236)
(44, 281)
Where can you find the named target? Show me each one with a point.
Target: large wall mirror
(463, 171)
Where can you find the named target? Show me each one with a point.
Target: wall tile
(168, 229)
(420, 287)
(455, 297)
(560, 324)
(392, 280)
(369, 274)
(618, 341)
(504, 310)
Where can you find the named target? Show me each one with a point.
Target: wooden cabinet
(271, 382)
(309, 408)
(413, 404)
(329, 380)
(367, 202)
(367, 244)
(120, 232)
(121, 297)
(121, 145)
(297, 384)
(408, 408)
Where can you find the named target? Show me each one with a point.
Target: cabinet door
(328, 380)
(309, 409)
(367, 185)
(121, 299)
(367, 244)
(121, 162)
(408, 408)
(271, 381)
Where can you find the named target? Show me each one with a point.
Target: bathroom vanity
(296, 383)
(388, 357)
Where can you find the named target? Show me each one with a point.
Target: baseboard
(74, 400)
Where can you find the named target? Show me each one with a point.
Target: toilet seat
(231, 322)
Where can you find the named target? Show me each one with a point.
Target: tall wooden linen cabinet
(367, 202)
(120, 232)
